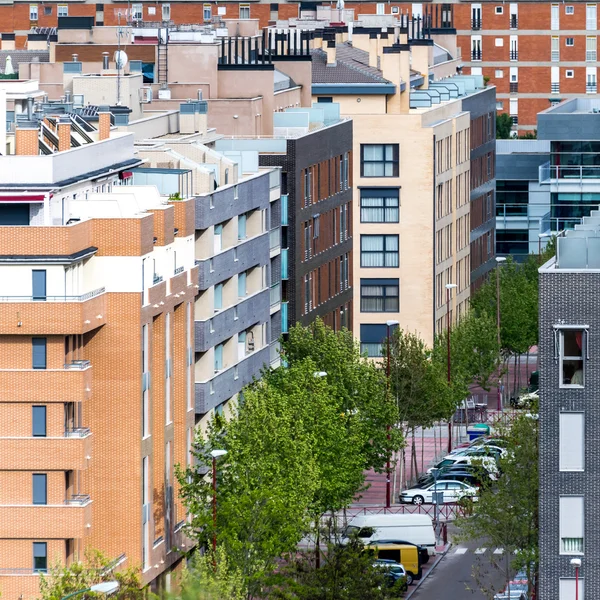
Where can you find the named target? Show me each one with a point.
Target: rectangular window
(242, 288)
(569, 10)
(371, 339)
(380, 9)
(499, 10)
(207, 12)
(571, 447)
(40, 488)
(145, 382)
(137, 12)
(554, 17)
(242, 219)
(379, 160)
(218, 296)
(38, 346)
(218, 239)
(379, 205)
(569, 41)
(168, 369)
(38, 421)
(218, 358)
(244, 11)
(47, 11)
(590, 48)
(379, 251)
(166, 12)
(571, 524)
(63, 10)
(572, 364)
(33, 12)
(569, 74)
(591, 18)
(40, 557)
(379, 295)
(555, 48)
(567, 586)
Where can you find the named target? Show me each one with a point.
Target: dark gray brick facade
(568, 298)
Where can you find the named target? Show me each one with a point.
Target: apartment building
(568, 520)
(96, 389)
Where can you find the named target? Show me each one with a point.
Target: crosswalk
(479, 551)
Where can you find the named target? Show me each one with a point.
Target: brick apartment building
(96, 324)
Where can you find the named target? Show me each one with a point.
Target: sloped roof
(23, 56)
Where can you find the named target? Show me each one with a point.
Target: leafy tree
(62, 580)
(507, 511)
(503, 126)
(347, 573)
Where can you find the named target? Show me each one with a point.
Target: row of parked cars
(460, 474)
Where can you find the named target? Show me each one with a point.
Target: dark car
(462, 469)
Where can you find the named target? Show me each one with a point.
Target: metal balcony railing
(156, 279)
(79, 298)
(514, 55)
(574, 173)
(515, 119)
(555, 88)
(590, 88)
(514, 22)
(77, 365)
(475, 54)
(78, 499)
(514, 87)
(178, 270)
(590, 55)
(555, 55)
(284, 209)
(475, 23)
(77, 432)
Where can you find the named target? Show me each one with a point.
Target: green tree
(347, 573)
(507, 511)
(62, 580)
(503, 126)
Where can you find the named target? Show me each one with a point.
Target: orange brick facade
(93, 446)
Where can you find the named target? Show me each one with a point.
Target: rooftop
(574, 106)
(352, 66)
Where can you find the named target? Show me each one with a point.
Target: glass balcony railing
(275, 294)
(284, 209)
(284, 317)
(284, 264)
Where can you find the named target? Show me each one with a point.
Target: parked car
(453, 491)
(452, 474)
(422, 550)
(405, 555)
(479, 473)
(394, 570)
(482, 441)
(484, 450)
(486, 462)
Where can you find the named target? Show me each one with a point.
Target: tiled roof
(23, 56)
(352, 66)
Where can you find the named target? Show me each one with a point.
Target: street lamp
(540, 237)
(449, 286)
(106, 587)
(576, 562)
(215, 454)
(499, 261)
(388, 468)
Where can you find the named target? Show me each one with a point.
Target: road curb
(429, 572)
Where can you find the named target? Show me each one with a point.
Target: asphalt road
(452, 578)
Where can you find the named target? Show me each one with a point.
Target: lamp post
(215, 454)
(449, 287)
(106, 587)
(540, 237)
(388, 467)
(576, 562)
(499, 261)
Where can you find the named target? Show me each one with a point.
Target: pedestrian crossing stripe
(480, 550)
(461, 551)
(499, 551)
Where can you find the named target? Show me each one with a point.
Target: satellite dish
(120, 59)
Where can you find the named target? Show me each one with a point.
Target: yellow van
(405, 554)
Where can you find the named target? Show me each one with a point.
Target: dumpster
(477, 430)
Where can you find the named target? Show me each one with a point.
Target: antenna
(120, 57)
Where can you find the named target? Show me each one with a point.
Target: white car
(452, 491)
(487, 462)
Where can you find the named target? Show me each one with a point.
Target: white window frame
(571, 453)
(572, 39)
(137, 11)
(591, 48)
(591, 17)
(555, 48)
(569, 9)
(165, 10)
(559, 332)
(555, 17)
(244, 8)
(380, 8)
(206, 12)
(499, 74)
(33, 12)
(569, 74)
(571, 516)
(499, 10)
(62, 10)
(591, 80)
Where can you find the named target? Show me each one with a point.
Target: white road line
(460, 550)
(499, 551)
(480, 550)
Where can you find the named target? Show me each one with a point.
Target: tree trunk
(514, 379)
(415, 466)
(423, 448)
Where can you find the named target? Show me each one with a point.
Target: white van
(412, 528)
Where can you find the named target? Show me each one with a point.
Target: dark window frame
(385, 252)
(40, 553)
(385, 284)
(36, 422)
(395, 161)
(39, 343)
(39, 489)
(388, 195)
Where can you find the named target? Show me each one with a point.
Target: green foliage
(507, 511)
(176, 197)
(347, 573)
(62, 580)
(530, 135)
(503, 126)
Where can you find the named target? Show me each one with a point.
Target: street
(452, 578)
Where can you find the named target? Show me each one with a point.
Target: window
(379, 205)
(38, 353)
(40, 488)
(218, 358)
(241, 345)
(218, 296)
(569, 74)
(499, 74)
(371, 339)
(137, 12)
(475, 48)
(569, 10)
(38, 284)
(379, 295)
(571, 447)
(566, 588)
(40, 557)
(379, 251)
(380, 9)
(63, 10)
(145, 382)
(38, 421)
(569, 41)
(33, 12)
(571, 524)
(590, 48)
(218, 239)
(572, 370)
(244, 11)
(242, 289)
(499, 42)
(207, 15)
(555, 48)
(325, 99)
(47, 11)
(379, 160)
(591, 18)
(166, 12)
(242, 219)
(554, 17)
(499, 10)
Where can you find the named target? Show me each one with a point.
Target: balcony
(590, 88)
(59, 521)
(514, 87)
(475, 24)
(68, 453)
(284, 317)
(275, 297)
(284, 264)
(569, 174)
(71, 384)
(555, 88)
(514, 22)
(274, 241)
(590, 56)
(475, 54)
(52, 315)
(514, 55)
(284, 209)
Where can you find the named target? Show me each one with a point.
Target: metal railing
(514, 87)
(77, 365)
(77, 432)
(78, 499)
(178, 270)
(514, 22)
(555, 55)
(275, 294)
(555, 88)
(590, 88)
(447, 512)
(475, 23)
(514, 55)
(590, 55)
(65, 298)
(156, 279)
(553, 173)
(475, 54)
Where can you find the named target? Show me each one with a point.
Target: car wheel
(418, 500)
(409, 579)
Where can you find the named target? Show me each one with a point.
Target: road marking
(499, 551)
(461, 551)
(480, 550)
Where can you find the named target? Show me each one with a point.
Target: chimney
(105, 61)
(187, 117)
(420, 61)
(75, 57)
(201, 116)
(373, 50)
(30, 109)
(331, 53)
(318, 40)
(26, 139)
(103, 123)
(64, 134)
(395, 64)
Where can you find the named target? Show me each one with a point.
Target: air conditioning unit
(146, 95)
